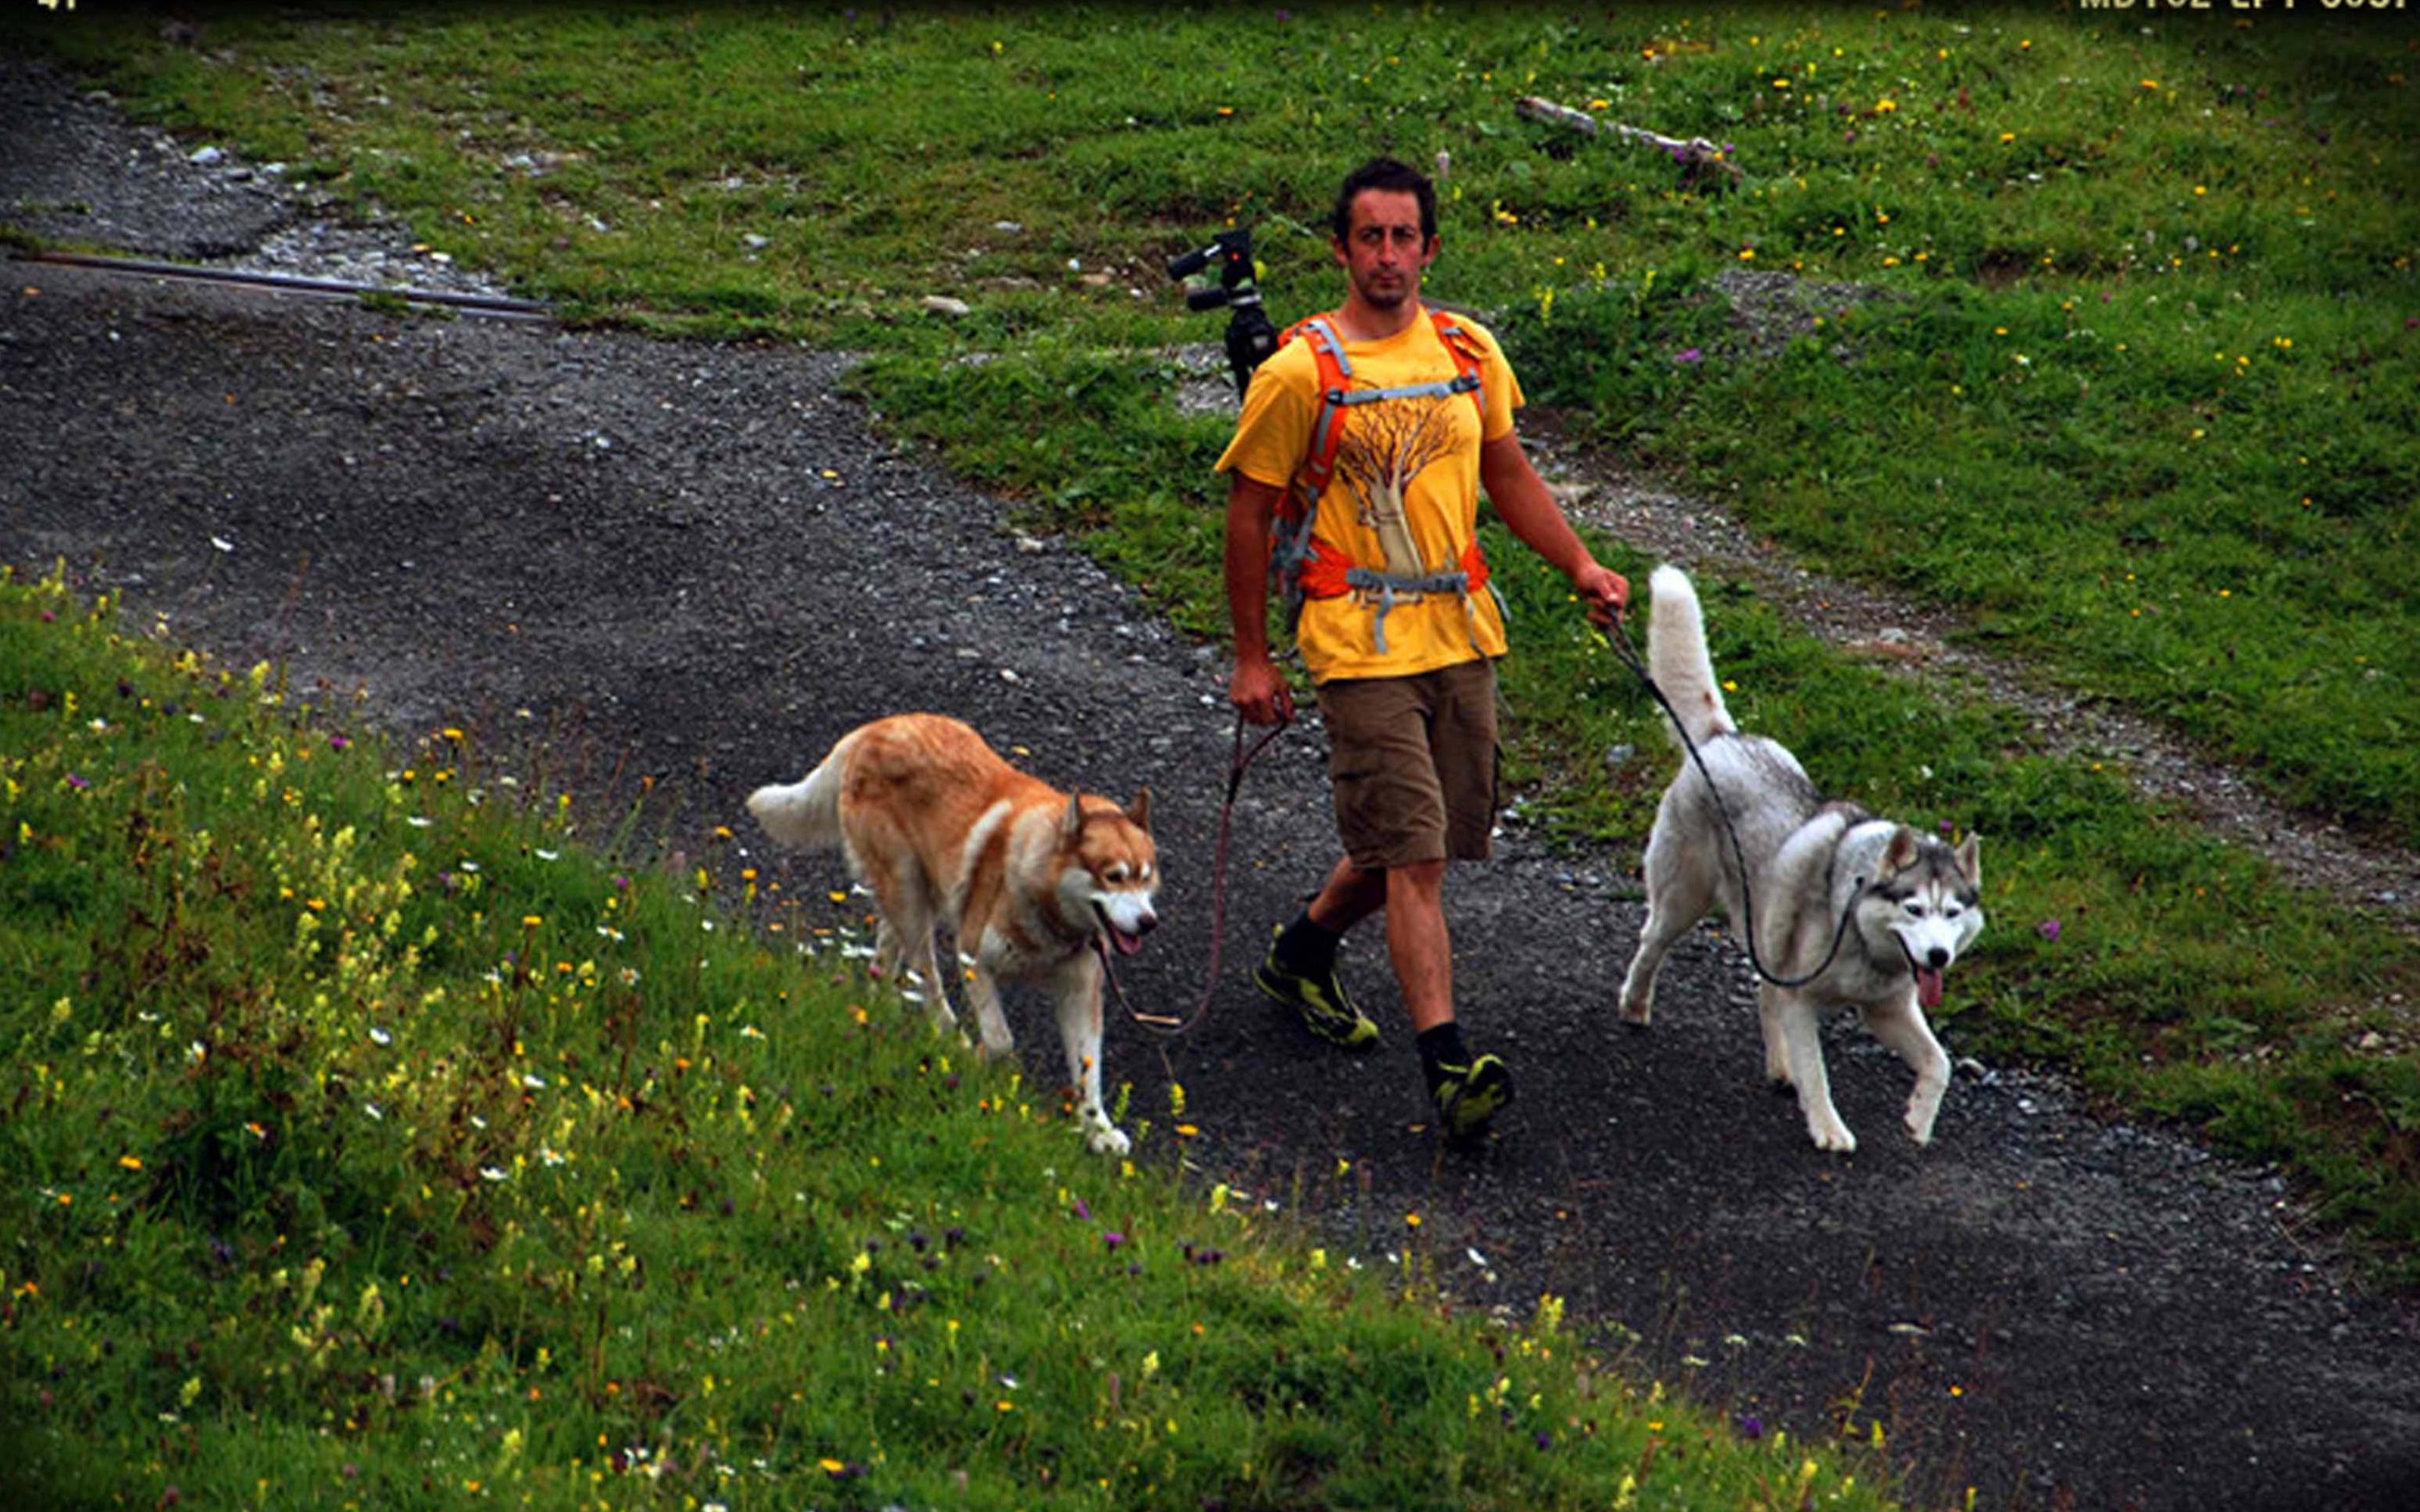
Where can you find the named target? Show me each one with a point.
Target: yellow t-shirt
(1403, 498)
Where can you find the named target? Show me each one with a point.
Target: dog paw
(1836, 1140)
(1108, 1139)
(1919, 1130)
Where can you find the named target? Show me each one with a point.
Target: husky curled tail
(1677, 658)
(805, 815)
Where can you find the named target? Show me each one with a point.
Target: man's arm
(1259, 690)
(1521, 498)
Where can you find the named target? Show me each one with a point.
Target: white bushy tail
(1677, 657)
(805, 814)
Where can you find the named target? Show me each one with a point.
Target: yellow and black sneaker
(1467, 1097)
(1320, 999)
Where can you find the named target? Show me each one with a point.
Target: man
(1373, 505)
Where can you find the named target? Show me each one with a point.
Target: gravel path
(695, 564)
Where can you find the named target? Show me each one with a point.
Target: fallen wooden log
(1692, 155)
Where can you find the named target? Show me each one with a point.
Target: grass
(2102, 328)
(375, 1140)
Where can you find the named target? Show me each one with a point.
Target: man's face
(1384, 252)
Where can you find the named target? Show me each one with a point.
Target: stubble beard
(1378, 297)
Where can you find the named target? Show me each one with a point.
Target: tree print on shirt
(1385, 446)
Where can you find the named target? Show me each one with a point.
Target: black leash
(1619, 640)
(1239, 761)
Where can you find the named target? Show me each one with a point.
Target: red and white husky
(1033, 884)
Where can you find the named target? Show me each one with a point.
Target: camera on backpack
(1250, 335)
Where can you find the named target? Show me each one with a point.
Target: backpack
(1307, 568)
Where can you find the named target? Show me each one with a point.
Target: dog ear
(1139, 810)
(1900, 854)
(1072, 826)
(1970, 859)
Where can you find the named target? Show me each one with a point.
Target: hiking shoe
(1320, 1000)
(1467, 1097)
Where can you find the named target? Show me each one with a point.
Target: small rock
(944, 304)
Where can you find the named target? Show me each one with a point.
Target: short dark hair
(1394, 177)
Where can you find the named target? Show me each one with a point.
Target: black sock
(1303, 947)
(1440, 1048)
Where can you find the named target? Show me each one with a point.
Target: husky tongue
(1126, 945)
(1927, 987)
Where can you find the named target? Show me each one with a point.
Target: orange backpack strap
(1295, 560)
(1335, 371)
(1469, 359)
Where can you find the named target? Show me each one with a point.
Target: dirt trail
(695, 564)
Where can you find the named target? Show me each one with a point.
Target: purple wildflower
(1689, 355)
(2048, 928)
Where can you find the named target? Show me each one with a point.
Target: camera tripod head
(1231, 252)
(1251, 336)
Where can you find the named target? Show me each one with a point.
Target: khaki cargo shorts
(1412, 762)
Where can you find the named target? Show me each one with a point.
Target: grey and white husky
(1912, 900)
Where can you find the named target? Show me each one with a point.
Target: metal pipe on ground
(488, 305)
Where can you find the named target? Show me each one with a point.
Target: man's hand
(1259, 693)
(1607, 593)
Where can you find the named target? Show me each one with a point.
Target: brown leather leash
(1239, 761)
